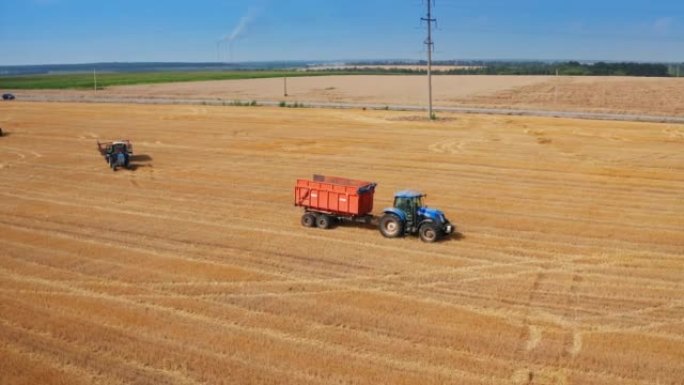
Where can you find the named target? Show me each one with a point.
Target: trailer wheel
(308, 220)
(323, 221)
(390, 226)
(428, 233)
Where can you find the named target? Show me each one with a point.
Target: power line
(430, 46)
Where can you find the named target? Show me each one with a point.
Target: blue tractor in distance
(410, 216)
(116, 153)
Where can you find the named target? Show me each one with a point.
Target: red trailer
(331, 198)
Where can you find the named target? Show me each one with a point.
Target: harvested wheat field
(193, 268)
(613, 94)
(597, 94)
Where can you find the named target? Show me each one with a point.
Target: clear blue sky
(80, 31)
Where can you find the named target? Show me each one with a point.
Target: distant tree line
(573, 68)
(570, 68)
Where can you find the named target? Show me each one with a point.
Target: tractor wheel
(428, 233)
(323, 221)
(308, 220)
(390, 226)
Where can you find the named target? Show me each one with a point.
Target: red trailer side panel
(335, 195)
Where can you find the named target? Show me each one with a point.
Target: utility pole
(94, 80)
(285, 86)
(555, 89)
(430, 46)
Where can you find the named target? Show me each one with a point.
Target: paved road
(467, 110)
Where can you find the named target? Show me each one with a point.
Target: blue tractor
(116, 153)
(410, 216)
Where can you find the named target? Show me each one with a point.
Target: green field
(107, 79)
(104, 80)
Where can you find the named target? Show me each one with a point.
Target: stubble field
(595, 94)
(192, 268)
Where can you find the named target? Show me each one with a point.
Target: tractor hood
(434, 214)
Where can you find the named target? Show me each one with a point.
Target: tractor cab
(410, 216)
(119, 147)
(408, 202)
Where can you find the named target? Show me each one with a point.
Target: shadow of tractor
(373, 225)
(139, 161)
(140, 158)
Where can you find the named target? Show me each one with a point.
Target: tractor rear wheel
(323, 221)
(428, 233)
(391, 226)
(308, 220)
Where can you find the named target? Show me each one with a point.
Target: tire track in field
(518, 180)
(244, 309)
(75, 373)
(54, 349)
(383, 284)
(166, 218)
(328, 237)
(176, 211)
(592, 307)
(559, 219)
(131, 370)
(516, 214)
(79, 239)
(102, 264)
(271, 333)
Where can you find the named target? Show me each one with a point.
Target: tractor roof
(408, 194)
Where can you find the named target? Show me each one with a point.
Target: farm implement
(327, 200)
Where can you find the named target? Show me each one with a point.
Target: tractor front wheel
(308, 220)
(428, 233)
(390, 226)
